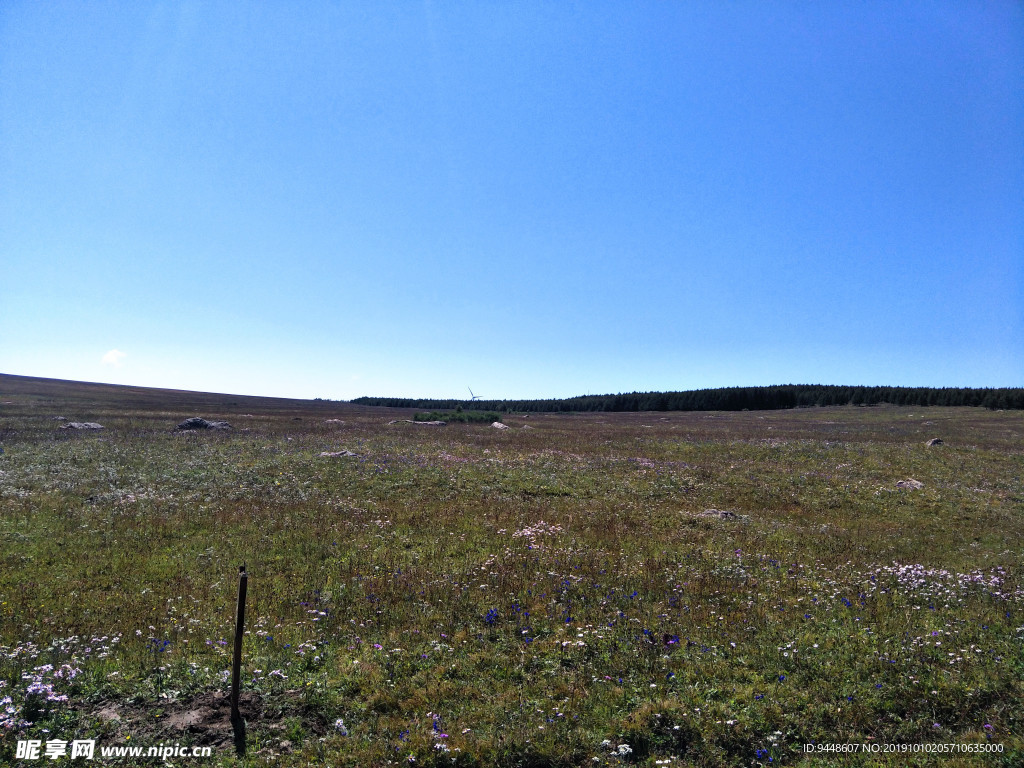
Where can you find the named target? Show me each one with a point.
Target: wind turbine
(472, 397)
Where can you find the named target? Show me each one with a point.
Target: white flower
(339, 726)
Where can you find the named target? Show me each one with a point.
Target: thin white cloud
(114, 357)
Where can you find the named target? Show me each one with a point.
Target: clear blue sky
(326, 199)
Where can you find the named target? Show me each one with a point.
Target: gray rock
(499, 425)
(934, 441)
(910, 484)
(721, 514)
(334, 454)
(197, 423)
(82, 425)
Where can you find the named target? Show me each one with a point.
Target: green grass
(540, 596)
(460, 416)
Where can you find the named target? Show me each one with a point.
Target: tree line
(733, 399)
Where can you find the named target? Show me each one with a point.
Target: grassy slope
(529, 593)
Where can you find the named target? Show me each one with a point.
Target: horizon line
(500, 400)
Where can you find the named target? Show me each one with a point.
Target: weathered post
(236, 665)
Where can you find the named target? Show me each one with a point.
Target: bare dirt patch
(205, 719)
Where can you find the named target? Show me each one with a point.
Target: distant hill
(86, 395)
(734, 399)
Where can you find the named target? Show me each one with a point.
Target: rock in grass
(721, 514)
(197, 423)
(82, 425)
(421, 423)
(910, 484)
(499, 425)
(335, 454)
(934, 441)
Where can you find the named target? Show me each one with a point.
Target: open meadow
(707, 589)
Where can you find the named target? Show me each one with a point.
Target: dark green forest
(733, 399)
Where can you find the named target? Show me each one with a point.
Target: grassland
(554, 594)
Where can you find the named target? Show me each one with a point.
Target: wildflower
(339, 726)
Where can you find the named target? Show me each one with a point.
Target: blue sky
(532, 199)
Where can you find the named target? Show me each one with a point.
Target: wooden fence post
(236, 665)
